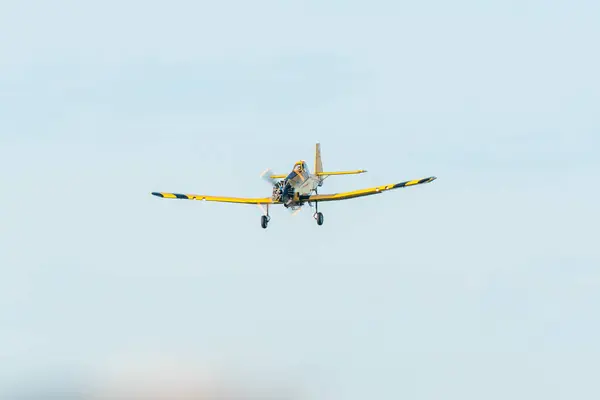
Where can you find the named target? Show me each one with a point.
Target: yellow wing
(240, 200)
(367, 192)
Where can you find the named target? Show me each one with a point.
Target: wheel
(320, 219)
(264, 221)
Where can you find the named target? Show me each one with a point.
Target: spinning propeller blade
(266, 176)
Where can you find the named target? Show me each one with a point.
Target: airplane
(298, 188)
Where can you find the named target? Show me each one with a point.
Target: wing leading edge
(238, 200)
(369, 191)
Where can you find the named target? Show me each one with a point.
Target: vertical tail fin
(318, 162)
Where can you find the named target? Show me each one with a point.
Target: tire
(264, 222)
(320, 219)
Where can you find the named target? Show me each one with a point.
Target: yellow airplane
(298, 188)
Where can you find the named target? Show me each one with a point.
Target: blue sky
(481, 284)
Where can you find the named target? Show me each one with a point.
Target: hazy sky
(483, 284)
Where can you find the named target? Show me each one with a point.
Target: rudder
(318, 162)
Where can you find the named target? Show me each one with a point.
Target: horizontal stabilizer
(278, 176)
(356, 172)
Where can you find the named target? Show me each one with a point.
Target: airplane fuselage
(298, 184)
(304, 182)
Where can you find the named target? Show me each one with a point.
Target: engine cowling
(283, 192)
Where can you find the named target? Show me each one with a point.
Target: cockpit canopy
(300, 167)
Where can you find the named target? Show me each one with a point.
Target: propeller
(266, 176)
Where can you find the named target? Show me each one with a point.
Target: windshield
(292, 175)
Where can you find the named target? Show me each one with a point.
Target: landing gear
(320, 219)
(318, 215)
(264, 220)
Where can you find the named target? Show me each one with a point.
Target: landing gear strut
(318, 215)
(264, 220)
